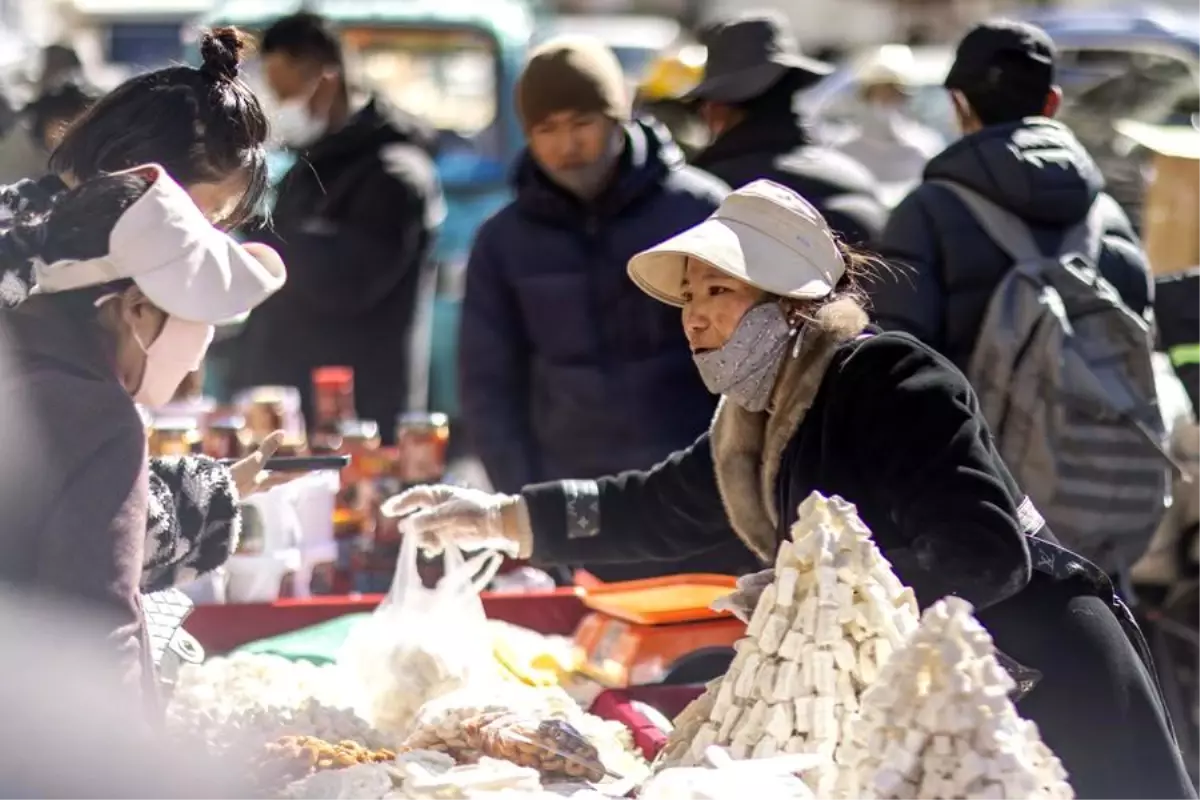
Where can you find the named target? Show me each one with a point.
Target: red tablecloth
(221, 628)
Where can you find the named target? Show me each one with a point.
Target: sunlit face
(570, 140)
(218, 201)
(713, 305)
(890, 95)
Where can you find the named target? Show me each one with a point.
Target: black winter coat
(1177, 311)
(774, 146)
(949, 268)
(895, 429)
(355, 223)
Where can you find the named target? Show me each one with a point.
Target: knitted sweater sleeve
(193, 522)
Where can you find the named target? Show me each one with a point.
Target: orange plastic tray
(661, 601)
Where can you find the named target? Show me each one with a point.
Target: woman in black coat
(815, 400)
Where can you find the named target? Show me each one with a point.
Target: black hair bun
(221, 49)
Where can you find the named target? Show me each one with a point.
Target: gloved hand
(468, 518)
(742, 600)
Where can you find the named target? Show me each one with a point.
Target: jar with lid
(421, 440)
(173, 436)
(226, 436)
(333, 404)
(267, 409)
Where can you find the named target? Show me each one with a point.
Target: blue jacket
(567, 370)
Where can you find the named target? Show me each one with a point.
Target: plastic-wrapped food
(423, 775)
(551, 746)
(421, 643)
(439, 725)
(939, 723)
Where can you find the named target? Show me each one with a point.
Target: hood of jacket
(375, 125)
(1035, 168)
(49, 330)
(650, 155)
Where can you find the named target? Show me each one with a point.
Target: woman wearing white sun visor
(130, 280)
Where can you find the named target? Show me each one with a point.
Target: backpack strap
(1006, 229)
(1012, 234)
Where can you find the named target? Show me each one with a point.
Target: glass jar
(226, 436)
(173, 437)
(421, 440)
(267, 409)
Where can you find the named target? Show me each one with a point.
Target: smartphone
(300, 463)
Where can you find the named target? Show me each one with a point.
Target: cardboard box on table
(1171, 210)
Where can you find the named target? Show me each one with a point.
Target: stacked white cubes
(939, 723)
(818, 637)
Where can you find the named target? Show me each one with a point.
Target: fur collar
(748, 446)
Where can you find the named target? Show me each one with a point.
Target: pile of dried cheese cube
(819, 635)
(939, 723)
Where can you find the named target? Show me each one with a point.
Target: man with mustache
(567, 370)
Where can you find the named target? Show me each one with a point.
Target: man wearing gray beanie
(566, 369)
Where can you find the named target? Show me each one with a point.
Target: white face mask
(178, 349)
(294, 125)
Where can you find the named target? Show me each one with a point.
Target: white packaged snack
(939, 722)
(245, 700)
(811, 648)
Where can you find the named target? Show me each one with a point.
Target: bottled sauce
(421, 440)
(333, 404)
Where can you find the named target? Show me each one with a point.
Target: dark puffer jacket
(773, 145)
(1038, 170)
(568, 370)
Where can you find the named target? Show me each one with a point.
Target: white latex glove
(742, 600)
(468, 518)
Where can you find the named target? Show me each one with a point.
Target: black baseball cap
(1004, 56)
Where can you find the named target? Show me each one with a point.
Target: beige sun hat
(763, 234)
(1177, 141)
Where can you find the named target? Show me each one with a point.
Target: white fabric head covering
(763, 234)
(176, 257)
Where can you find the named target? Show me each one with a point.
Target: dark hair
(78, 227)
(304, 36)
(201, 124)
(1019, 94)
(61, 103)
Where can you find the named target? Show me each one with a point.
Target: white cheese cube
(786, 579)
(771, 636)
(767, 746)
(781, 721)
(792, 646)
(729, 723)
(762, 612)
(746, 678)
(804, 714)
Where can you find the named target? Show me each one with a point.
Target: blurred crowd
(567, 370)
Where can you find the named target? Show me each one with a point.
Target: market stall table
(221, 628)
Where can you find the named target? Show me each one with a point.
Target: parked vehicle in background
(1113, 64)
(454, 63)
(636, 39)
(1142, 66)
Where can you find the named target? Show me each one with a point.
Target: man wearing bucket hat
(130, 279)
(753, 72)
(813, 399)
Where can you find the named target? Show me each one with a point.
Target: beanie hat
(572, 73)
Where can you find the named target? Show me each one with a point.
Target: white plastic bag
(421, 643)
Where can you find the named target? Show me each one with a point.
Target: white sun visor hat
(762, 234)
(176, 257)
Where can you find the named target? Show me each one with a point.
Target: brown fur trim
(747, 446)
